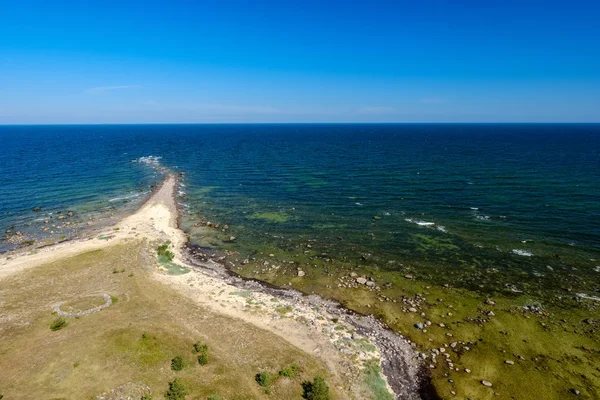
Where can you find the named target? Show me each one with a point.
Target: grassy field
(133, 340)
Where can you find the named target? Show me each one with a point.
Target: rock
(509, 362)
(70, 213)
(231, 238)
(61, 217)
(376, 217)
(574, 391)
(361, 281)
(371, 284)
(353, 274)
(412, 309)
(490, 302)
(467, 370)
(408, 276)
(301, 273)
(419, 325)
(36, 209)
(486, 383)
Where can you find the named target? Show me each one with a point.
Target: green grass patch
(374, 382)
(283, 310)
(290, 371)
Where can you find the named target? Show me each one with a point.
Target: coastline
(308, 322)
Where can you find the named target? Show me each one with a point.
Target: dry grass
(101, 351)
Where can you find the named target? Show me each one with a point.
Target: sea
(455, 201)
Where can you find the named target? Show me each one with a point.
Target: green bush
(58, 324)
(264, 379)
(165, 255)
(177, 390)
(200, 348)
(316, 390)
(290, 371)
(177, 363)
(203, 359)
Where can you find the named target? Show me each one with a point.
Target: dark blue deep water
(474, 196)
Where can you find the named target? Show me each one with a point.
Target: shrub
(264, 379)
(203, 359)
(146, 397)
(164, 254)
(214, 397)
(290, 371)
(177, 363)
(58, 324)
(316, 390)
(177, 390)
(1, 396)
(200, 348)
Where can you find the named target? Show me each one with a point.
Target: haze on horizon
(326, 61)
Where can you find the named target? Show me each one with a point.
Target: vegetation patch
(264, 379)
(58, 324)
(272, 217)
(164, 254)
(283, 310)
(176, 391)
(177, 363)
(316, 390)
(374, 382)
(290, 371)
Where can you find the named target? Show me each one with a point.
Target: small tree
(177, 363)
(316, 390)
(200, 348)
(177, 390)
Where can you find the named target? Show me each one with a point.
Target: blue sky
(310, 61)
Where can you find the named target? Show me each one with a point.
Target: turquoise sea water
(454, 201)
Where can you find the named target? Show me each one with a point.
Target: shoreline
(311, 323)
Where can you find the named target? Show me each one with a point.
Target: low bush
(200, 348)
(264, 379)
(58, 324)
(164, 255)
(203, 359)
(290, 371)
(177, 390)
(214, 397)
(177, 363)
(316, 390)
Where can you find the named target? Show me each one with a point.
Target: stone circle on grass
(107, 303)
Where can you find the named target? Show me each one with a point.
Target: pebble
(412, 309)
(575, 392)
(509, 362)
(419, 325)
(486, 383)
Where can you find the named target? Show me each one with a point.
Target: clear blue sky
(302, 61)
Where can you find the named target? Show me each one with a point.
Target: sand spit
(344, 340)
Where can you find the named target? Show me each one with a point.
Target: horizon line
(311, 123)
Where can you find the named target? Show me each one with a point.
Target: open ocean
(516, 198)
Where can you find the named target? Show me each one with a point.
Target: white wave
(483, 217)
(588, 297)
(358, 204)
(597, 269)
(131, 196)
(150, 160)
(419, 222)
(442, 228)
(524, 253)
(474, 208)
